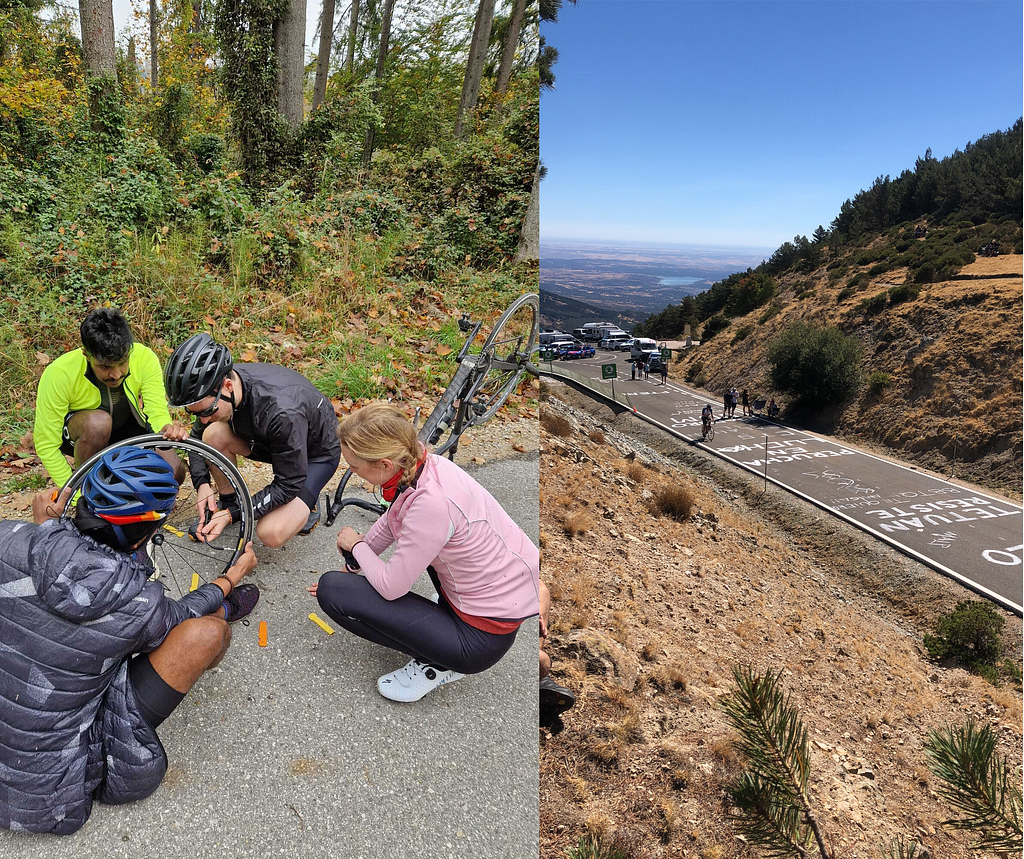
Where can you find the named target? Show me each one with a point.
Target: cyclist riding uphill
(484, 568)
(262, 412)
(108, 391)
(80, 712)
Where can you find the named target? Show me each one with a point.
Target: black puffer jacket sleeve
(286, 437)
(168, 613)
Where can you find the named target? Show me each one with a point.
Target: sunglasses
(205, 413)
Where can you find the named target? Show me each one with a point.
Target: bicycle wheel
(502, 361)
(177, 557)
(711, 433)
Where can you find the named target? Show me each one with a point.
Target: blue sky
(747, 123)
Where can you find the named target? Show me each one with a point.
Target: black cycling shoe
(240, 602)
(311, 522)
(554, 698)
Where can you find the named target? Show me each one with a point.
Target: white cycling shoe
(414, 680)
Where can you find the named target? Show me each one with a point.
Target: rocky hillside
(650, 614)
(952, 351)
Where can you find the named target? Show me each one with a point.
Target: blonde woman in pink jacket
(484, 568)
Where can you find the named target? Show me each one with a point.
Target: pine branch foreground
(771, 796)
(976, 783)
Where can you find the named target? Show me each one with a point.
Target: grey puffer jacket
(71, 611)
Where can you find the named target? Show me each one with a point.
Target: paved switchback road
(971, 536)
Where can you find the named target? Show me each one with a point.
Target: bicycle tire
(507, 372)
(711, 433)
(236, 541)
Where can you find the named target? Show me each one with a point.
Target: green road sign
(548, 354)
(666, 354)
(608, 371)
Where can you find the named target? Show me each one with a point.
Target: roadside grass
(327, 304)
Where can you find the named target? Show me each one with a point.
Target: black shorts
(318, 473)
(156, 699)
(129, 429)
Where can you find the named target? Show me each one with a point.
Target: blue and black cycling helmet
(130, 485)
(196, 369)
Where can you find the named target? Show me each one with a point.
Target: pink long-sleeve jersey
(487, 566)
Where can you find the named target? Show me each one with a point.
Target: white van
(640, 346)
(613, 338)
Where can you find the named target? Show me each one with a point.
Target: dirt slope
(649, 615)
(954, 355)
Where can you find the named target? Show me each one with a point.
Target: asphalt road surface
(288, 750)
(971, 536)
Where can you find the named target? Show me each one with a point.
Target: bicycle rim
(180, 561)
(500, 364)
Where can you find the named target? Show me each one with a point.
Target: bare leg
(90, 431)
(219, 436)
(282, 523)
(191, 648)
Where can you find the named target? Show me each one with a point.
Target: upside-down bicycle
(481, 384)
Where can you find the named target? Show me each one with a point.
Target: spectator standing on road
(746, 402)
(632, 370)
(485, 570)
(726, 400)
(734, 401)
(80, 713)
(664, 371)
(647, 370)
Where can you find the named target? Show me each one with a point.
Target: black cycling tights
(412, 624)
(156, 699)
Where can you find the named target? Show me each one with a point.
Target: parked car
(580, 350)
(625, 345)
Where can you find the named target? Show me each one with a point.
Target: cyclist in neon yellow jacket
(109, 390)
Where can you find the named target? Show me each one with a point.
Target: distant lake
(679, 281)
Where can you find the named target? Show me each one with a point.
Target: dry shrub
(628, 730)
(580, 788)
(615, 694)
(636, 472)
(545, 390)
(596, 436)
(724, 751)
(668, 822)
(583, 589)
(676, 502)
(674, 752)
(542, 542)
(667, 678)
(599, 825)
(576, 522)
(621, 631)
(605, 752)
(556, 424)
(554, 589)
(712, 851)
(681, 778)
(649, 652)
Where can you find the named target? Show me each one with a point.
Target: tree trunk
(97, 17)
(154, 64)
(508, 53)
(353, 25)
(475, 65)
(382, 54)
(323, 59)
(529, 239)
(289, 48)
(133, 69)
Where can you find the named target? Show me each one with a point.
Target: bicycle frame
(452, 412)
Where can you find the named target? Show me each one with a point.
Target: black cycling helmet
(196, 369)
